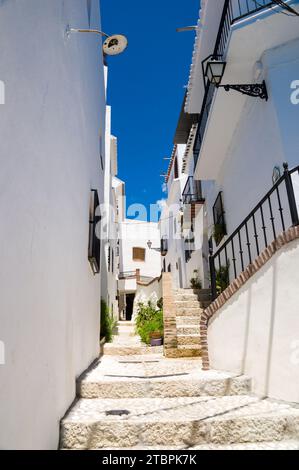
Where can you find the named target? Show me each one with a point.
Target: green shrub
(108, 322)
(195, 281)
(219, 232)
(222, 278)
(149, 320)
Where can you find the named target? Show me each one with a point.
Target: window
(169, 268)
(138, 254)
(94, 246)
(219, 220)
(164, 265)
(112, 261)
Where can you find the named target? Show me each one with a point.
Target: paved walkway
(134, 398)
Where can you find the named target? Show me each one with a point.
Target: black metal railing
(164, 246)
(233, 11)
(192, 191)
(275, 213)
(127, 275)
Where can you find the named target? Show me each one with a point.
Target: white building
(251, 202)
(110, 222)
(138, 261)
(242, 140)
(52, 148)
(182, 218)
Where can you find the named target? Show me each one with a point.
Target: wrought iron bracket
(257, 90)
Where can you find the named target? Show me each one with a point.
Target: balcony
(127, 275)
(240, 30)
(192, 192)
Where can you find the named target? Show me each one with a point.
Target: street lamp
(113, 45)
(150, 244)
(214, 70)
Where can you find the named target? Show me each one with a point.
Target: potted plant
(195, 281)
(156, 338)
(219, 232)
(149, 324)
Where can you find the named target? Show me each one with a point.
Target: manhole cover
(117, 412)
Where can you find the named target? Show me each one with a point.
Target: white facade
(245, 137)
(50, 146)
(136, 234)
(241, 142)
(182, 224)
(110, 227)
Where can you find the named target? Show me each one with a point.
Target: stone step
(185, 297)
(177, 385)
(180, 421)
(183, 353)
(183, 311)
(188, 330)
(194, 347)
(188, 339)
(187, 303)
(114, 349)
(183, 320)
(183, 291)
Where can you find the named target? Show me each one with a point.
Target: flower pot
(156, 341)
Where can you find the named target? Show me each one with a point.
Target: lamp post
(150, 244)
(113, 45)
(214, 68)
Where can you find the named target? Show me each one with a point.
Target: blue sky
(146, 87)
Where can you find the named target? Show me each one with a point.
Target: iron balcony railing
(234, 10)
(192, 192)
(127, 275)
(276, 212)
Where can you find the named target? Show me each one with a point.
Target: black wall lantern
(214, 69)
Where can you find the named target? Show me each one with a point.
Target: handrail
(235, 241)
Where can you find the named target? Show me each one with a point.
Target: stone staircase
(126, 343)
(188, 307)
(150, 402)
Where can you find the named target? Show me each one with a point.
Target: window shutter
(138, 254)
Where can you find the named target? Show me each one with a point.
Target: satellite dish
(115, 44)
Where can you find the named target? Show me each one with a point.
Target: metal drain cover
(117, 412)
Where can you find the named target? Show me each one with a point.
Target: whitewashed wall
(266, 136)
(170, 226)
(136, 234)
(145, 293)
(50, 159)
(257, 331)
